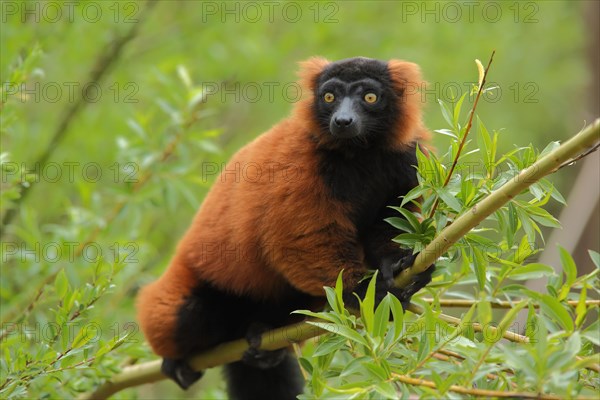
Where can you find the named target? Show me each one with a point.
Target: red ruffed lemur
(290, 210)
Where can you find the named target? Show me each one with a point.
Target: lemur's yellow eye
(370, 97)
(329, 97)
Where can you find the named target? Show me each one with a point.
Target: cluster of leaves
(365, 357)
(65, 345)
(69, 263)
(353, 360)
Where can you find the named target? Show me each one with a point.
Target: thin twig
(579, 157)
(442, 357)
(498, 304)
(476, 392)
(490, 330)
(467, 130)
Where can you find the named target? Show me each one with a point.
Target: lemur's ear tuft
(405, 75)
(310, 71)
(407, 82)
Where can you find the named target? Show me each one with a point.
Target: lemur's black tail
(282, 382)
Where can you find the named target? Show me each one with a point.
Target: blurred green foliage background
(249, 50)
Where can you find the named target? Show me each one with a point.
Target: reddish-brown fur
(253, 232)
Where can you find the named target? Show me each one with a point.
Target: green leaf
(64, 340)
(487, 244)
(184, 76)
(543, 217)
(449, 199)
(410, 217)
(513, 223)
(423, 348)
(329, 345)
(368, 303)
(531, 271)
(532, 321)
(595, 256)
(581, 309)
(400, 223)
(354, 367)
(550, 188)
(414, 193)
(355, 387)
(446, 112)
(332, 299)
(536, 191)
(382, 317)
(556, 195)
(523, 251)
(441, 220)
(484, 312)
(514, 359)
(386, 389)
(398, 314)
(526, 224)
(571, 347)
(81, 339)
(509, 317)
(331, 317)
(494, 149)
(447, 132)
(592, 333)
(102, 351)
(549, 148)
(377, 371)
(457, 108)
(586, 362)
(468, 191)
(306, 364)
(485, 143)
(480, 264)
(61, 284)
(411, 240)
(568, 265)
(514, 288)
(339, 290)
(209, 146)
(340, 330)
(554, 309)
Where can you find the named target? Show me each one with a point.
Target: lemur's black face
(355, 99)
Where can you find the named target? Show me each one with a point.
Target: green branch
(222, 354)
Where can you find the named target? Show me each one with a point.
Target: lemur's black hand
(385, 283)
(255, 357)
(180, 371)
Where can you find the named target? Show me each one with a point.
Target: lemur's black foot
(180, 371)
(255, 357)
(417, 283)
